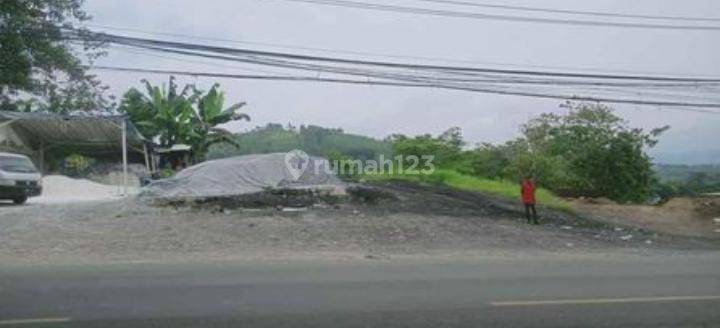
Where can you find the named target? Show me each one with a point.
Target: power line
(409, 84)
(490, 80)
(136, 51)
(133, 41)
(365, 53)
(573, 12)
(483, 16)
(441, 81)
(643, 75)
(417, 75)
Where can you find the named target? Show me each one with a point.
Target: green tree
(446, 148)
(186, 116)
(210, 114)
(39, 67)
(591, 152)
(162, 113)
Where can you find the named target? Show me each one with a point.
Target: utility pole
(124, 155)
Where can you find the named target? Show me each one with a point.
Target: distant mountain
(680, 157)
(314, 140)
(684, 173)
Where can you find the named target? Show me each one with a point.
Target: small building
(175, 158)
(111, 137)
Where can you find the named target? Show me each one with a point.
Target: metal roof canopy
(82, 133)
(87, 134)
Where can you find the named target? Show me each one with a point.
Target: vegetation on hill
(587, 152)
(314, 140)
(452, 178)
(687, 180)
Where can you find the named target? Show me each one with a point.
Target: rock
(566, 227)
(618, 229)
(626, 237)
(649, 242)
(372, 257)
(569, 244)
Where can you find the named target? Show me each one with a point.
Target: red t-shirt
(528, 192)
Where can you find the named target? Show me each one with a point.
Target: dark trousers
(528, 208)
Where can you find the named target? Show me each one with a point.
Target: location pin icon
(296, 162)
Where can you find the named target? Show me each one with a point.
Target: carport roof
(82, 132)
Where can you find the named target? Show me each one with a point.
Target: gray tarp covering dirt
(246, 175)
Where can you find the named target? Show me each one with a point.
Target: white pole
(124, 156)
(147, 160)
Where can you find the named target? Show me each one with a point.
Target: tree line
(589, 151)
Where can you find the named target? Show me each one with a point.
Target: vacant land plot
(412, 220)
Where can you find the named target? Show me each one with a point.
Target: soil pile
(244, 175)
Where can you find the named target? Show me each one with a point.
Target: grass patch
(457, 180)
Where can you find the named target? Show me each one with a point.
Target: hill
(314, 140)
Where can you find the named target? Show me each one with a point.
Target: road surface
(633, 291)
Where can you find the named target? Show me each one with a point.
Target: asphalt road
(657, 291)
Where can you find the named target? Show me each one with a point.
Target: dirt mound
(245, 175)
(707, 207)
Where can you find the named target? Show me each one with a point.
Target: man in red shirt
(527, 190)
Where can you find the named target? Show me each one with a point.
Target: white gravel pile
(58, 189)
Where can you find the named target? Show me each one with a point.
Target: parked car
(19, 179)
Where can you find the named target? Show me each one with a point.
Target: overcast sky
(380, 111)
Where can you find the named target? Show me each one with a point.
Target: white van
(19, 179)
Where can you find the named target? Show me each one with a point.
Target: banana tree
(162, 114)
(211, 113)
(190, 117)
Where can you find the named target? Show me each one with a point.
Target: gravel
(59, 189)
(416, 220)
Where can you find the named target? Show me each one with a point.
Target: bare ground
(684, 216)
(413, 220)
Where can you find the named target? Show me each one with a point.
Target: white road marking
(608, 300)
(32, 321)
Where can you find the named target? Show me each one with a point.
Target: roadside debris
(294, 209)
(626, 237)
